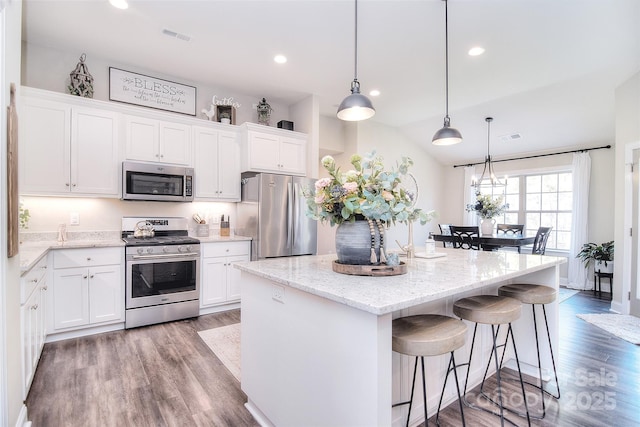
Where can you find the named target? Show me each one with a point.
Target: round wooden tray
(370, 270)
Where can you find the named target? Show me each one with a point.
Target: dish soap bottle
(430, 245)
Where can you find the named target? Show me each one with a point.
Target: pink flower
(350, 187)
(322, 182)
(319, 199)
(387, 196)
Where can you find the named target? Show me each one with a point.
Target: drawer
(67, 258)
(32, 279)
(225, 249)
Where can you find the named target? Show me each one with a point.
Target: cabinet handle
(162, 156)
(44, 288)
(66, 183)
(84, 277)
(34, 307)
(91, 277)
(88, 258)
(44, 267)
(34, 281)
(157, 155)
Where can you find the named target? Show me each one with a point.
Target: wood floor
(164, 375)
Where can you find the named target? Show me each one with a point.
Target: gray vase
(353, 243)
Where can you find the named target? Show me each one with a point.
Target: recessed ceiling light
(374, 92)
(280, 59)
(475, 51)
(120, 4)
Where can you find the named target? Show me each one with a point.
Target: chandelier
(488, 174)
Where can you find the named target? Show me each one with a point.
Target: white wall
(48, 68)
(10, 360)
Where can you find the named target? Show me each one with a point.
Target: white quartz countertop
(426, 279)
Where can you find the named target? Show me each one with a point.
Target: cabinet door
(214, 281)
(293, 156)
(44, 147)
(264, 152)
(28, 321)
(70, 298)
(233, 277)
(106, 294)
(229, 167)
(205, 162)
(94, 151)
(142, 136)
(175, 143)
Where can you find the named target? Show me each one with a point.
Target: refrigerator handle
(290, 206)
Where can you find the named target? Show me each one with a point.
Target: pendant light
(488, 172)
(447, 135)
(356, 106)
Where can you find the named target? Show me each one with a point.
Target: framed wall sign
(146, 91)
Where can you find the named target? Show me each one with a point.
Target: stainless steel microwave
(156, 182)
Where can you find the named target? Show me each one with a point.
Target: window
(541, 200)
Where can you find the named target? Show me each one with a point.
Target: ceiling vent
(170, 33)
(512, 137)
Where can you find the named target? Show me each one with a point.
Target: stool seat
(488, 309)
(528, 293)
(427, 335)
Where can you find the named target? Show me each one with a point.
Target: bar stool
(429, 335)
(492, 310)
(536, 295)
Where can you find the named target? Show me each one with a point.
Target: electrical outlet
(278, 293)
(74, 218)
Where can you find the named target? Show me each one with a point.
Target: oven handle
(159, 256)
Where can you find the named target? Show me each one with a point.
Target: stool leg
(473, 341)
(424, 394)
(495, 353)
(524, 394)
(553, 360)
(413, 386)
(452, 366)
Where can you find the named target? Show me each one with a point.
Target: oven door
(155, 281)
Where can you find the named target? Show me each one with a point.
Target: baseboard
(219, 308)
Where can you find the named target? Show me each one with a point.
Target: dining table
(491, 242)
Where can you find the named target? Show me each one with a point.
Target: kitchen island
(316, 345)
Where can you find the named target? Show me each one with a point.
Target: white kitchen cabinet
(220, 280)
(32, 320)
(217, 164)
(67, 149)
(266, 149)
(88, 287)
(157, 140)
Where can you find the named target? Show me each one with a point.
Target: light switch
(74, 218)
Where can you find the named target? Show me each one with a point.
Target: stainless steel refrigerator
(272, 213)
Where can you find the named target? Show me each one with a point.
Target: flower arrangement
(487, 207)
(368, 190)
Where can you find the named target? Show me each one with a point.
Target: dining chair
(467, 237)
(510, 230)
(514, 229)
(445, 230)
(540, 242)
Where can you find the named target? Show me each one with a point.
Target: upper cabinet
(157, 140)
(217, 164)
(67, 149)
(267, 149)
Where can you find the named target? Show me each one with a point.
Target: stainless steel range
(162, 270)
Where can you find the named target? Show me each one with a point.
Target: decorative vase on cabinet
(486, 226)
(353, 242)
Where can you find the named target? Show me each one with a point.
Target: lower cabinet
(88, 287)
(220, 282)
(33, 321)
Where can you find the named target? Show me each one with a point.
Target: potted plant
(361, 202)
(601, 255)
(487, 208)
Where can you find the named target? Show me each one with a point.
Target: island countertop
(426, 279)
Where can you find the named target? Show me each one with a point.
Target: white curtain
(470, 218)
(581, 168)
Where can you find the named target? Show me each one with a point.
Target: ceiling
(548, 74)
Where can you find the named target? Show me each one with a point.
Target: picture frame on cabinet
(151, 92)
(225, 114)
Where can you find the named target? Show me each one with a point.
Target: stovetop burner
(160, 240)
(168, 231)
